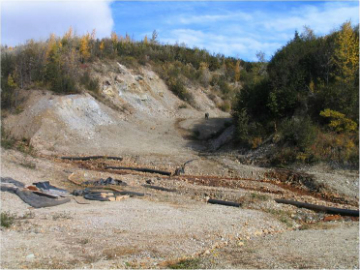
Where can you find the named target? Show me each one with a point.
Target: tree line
(63, 65)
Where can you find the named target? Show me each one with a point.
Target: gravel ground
(335, 248)
(162, 227)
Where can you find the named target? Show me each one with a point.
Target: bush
(242, 128)
(338, 121)
(284, 156)
(7, 141)
(299, 132)
(90, 83)
(178, 88)
(63, 84)
(225, 106)
(337, 148)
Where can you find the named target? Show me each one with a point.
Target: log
(227, 203)
(159, 188)
(130, 193)
(139, 170)
(92, 157)
(326, 209)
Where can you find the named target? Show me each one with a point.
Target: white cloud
(322, 21)
(236, 33)
(23, 20)
(205, 19)
(244, 47)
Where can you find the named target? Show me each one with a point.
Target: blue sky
(239, 29)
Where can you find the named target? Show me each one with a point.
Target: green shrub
(242, 126)
(186, 264)
(178, 88)
(7, 141)
(299, 132)
(63, 84)
(284, 156)
(225, 106)
(7, 219)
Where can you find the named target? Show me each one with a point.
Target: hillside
(132, 111)
(150, 182)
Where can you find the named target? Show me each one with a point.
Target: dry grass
(28, 164)
(63, 215)
(54, 263)
(319, 226)
(91, 258)
(113, 253)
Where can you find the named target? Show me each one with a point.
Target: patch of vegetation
(318, 226)
(25, 147)
(186, 264)
(182, 106)
(251, 198)
(310, 90)
(84, 241)
(259, 197)
(89, 82)
(28, 164)
(113, 253)
(63, 64)
(282, 216)
(63, 215)
(7, 219)
(7, 141)
(28, 215)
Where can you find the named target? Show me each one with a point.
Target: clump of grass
(61, 216)
(28, 215)
(253, 198)
(7, 141)
(282, 216)
(29, 165)
(84, 241)
(259, 197)
(185, 264)
(7, 219)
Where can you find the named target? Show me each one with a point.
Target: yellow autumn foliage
(338, 121)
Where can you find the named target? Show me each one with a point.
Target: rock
(258, 233)
(240, 243)
(30, 257)
(118, 79)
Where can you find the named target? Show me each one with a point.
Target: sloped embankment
(80, 124)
